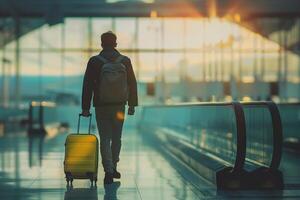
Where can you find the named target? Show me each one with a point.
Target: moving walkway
(226, 143)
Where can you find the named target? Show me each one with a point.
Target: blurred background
(192, 58)
(182, 51)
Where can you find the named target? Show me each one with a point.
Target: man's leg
(105, 131)
(117, 134)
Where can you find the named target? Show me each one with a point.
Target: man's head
(108, 40)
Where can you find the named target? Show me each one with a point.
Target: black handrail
(190, 104)
(288, 103)
(240, 126)
(277, 131)
(241, 136)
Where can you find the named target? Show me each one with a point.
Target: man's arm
(88, 87)
(132, 84)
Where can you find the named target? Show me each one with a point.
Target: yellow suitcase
(81, 155)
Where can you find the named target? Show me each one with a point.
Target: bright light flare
(153, 14)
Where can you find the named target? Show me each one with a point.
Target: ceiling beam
(176, 8)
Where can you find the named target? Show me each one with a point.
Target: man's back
(107, 76)
(92, 80)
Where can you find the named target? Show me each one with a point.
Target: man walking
(109, 79)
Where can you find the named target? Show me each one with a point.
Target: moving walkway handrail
(240, 127)
(288, 104)
(277, 131)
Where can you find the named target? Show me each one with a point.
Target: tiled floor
(146, 174)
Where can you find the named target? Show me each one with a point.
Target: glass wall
(193, 47)
(169, 49)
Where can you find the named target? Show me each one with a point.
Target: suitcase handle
(90, 116)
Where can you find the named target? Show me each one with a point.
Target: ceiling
(262, 16)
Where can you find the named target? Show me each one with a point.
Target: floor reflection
(147, 174)
(111, 191)
(81, 193)
(35, 150)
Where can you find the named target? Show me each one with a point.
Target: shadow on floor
(81, 193)
(111, 191)
(92, 193)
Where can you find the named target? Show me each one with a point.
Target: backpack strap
(104, 60)
(119, 59)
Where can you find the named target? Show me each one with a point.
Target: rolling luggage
(81, 155)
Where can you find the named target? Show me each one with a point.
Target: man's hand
(85, 113)
(131, 110)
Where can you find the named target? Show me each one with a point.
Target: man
(110, 80)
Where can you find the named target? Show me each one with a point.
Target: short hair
(108, 39)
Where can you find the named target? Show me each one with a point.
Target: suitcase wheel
(69, 181)
(69, 178)
(92, 178)
(93, 182)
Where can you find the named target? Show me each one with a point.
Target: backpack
(113, 81)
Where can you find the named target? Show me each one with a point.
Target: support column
(219, 76)
(263, 60)
(157, 73)
(279, 62)
(185, 96)
(3, 78)
(62, 61)
(231, 54)
(90, 37)
(17, 61)
(279, 66)
(255, 65)
(40, 62)
(240, 70)
(215, 64)
(5, 82)
(209, 64)
(222, 62)
(285, 57)
(284, 68)
(184, 71)
(162, 61)
(136, 39)
(209, 60)
(113, 24)
(204, 50)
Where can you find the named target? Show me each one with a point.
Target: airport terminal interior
(218, 87)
